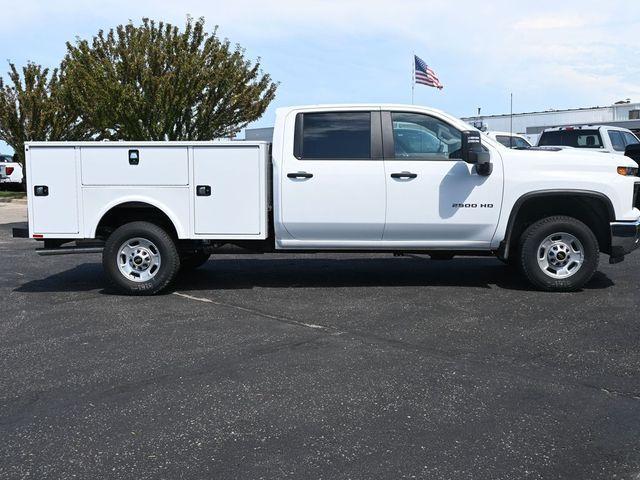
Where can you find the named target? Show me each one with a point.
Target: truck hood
(573, 157)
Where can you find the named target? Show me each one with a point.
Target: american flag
(424, 75)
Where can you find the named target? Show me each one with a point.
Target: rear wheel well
(133, 212)
(594, 211)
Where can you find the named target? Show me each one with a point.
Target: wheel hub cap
(560, 255)
(138, 259)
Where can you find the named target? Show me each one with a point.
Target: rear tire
(558, 254)
(140, 258)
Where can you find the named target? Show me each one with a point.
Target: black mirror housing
(472, 152)
(471, 142)
(633, 152)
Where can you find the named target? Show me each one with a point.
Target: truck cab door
(433, 198)
(332, 185)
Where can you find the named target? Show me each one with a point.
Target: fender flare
(503, 250)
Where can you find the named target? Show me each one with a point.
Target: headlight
(628, 171)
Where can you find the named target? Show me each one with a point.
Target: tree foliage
(30, 108)
(155, 82)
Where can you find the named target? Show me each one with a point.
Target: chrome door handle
(404, 175)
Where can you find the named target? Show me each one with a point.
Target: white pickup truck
(597, 138)
(356, 178)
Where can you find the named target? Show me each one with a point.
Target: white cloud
(551, 22)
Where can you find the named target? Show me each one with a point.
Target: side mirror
(633, 152)
(472, 152)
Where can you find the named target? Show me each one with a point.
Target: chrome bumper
(625, 238)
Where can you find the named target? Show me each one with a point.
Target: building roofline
(477, 117)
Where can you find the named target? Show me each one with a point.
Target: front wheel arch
(594, 209)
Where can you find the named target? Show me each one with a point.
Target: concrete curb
(13, 200)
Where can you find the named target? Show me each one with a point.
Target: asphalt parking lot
(336, 366)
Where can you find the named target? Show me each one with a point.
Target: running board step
(68, 250)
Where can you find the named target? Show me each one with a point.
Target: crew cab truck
(336, 178)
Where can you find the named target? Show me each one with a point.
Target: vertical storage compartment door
(232, 203)
(53, 172)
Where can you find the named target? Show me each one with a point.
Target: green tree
(155, 82)
(30, 109)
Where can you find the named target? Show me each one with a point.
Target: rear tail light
(9, 170)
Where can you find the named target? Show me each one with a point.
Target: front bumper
(625, 238)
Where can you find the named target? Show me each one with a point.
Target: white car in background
(10, 172)
(510, 140)
(600, 138)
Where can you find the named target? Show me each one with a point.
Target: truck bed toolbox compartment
(53, 190)
(107, 164)
(230, 190)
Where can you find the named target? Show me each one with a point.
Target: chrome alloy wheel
(560, 255)
(138, 259)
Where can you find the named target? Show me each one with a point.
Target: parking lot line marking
(190, 297)
(257, 312)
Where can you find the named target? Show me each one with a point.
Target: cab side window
(333, 135)
(506, 140)
(422, 137)
(617, 141)
(630, 139)
(520, 143)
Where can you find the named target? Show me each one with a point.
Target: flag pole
(413, 73)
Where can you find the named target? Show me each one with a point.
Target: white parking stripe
(257, 312)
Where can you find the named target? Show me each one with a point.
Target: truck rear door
(332, 183)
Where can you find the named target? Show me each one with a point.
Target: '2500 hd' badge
(473, 205)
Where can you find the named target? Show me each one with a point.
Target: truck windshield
(572, 138)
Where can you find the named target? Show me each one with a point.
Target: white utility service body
(85, 180)
(392, 178)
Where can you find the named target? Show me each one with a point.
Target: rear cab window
(333, 135)
(578, 138)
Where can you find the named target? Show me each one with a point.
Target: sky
(549, 54)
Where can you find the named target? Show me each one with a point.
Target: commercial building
(622, 114)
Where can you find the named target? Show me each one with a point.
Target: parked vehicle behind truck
(10, 173)
(347, 178)
(601, 138)
(510, 140)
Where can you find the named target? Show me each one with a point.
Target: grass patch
(6, 194)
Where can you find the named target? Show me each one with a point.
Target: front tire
(140, 258)
(558, 254)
